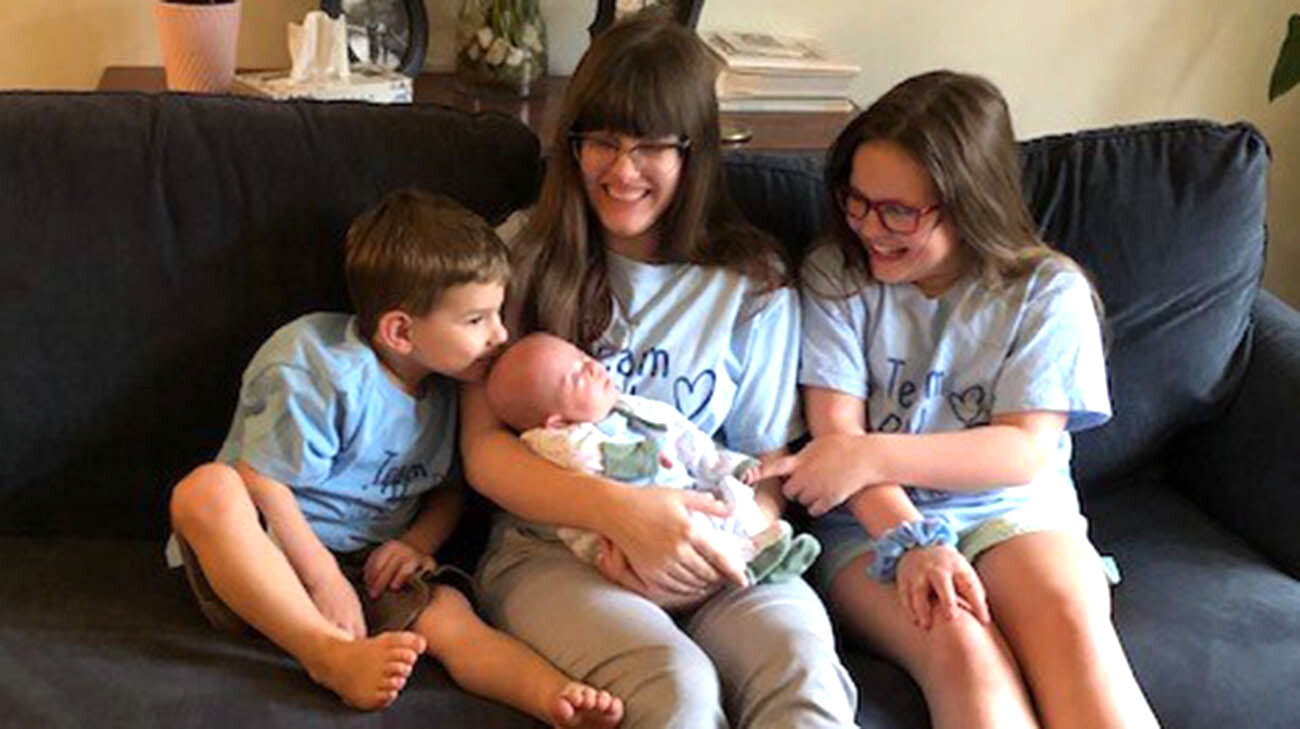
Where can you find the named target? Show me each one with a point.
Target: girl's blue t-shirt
(708, 341)
(318, 413)
(953, 362)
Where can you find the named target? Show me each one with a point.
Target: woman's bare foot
(579, 705)
(367, 673)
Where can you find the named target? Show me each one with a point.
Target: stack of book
(768, 72)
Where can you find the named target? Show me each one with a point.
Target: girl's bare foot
(579, 705)
(367, 673)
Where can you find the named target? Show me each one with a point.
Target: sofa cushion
(155, 240)
(1169, 218)
(98, 633)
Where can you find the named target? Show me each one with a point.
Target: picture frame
(608, 12)
(390, 34)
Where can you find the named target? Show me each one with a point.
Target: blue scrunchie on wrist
(893, 544)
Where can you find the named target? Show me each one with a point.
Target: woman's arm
(652, 527)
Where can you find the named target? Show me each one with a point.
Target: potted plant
(1286, 73)
(501, 45)
(198, 39)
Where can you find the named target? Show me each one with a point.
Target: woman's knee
(670, 685)
(210, 494)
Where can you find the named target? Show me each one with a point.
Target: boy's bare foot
(367, 673)
(579, 705)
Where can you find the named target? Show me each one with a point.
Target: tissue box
(375, 85)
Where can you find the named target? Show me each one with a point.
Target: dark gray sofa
(151, 242)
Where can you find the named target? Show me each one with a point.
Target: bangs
(641, 97)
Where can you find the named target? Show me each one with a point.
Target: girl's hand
(826, 472)
(939, 580)
(655, 534)
(612, 563)
(338, 602)
(391, 564)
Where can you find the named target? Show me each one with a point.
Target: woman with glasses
(635, 253)
(947, 354)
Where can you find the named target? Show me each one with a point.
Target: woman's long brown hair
(646, 77)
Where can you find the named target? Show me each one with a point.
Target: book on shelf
(757, 52)
(742, 104)
(773, 72)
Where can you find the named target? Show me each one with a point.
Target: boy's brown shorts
(393, 610)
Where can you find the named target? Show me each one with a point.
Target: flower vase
(501, 46)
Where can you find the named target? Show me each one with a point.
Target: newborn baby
(567, 409)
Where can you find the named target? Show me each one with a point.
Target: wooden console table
(772, 131)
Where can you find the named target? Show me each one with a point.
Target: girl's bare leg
(965, 669)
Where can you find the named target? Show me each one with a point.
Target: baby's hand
(392, 564)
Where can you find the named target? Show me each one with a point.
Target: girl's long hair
(646, 76)
(958, 127)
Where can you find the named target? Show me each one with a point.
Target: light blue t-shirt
(952, 362)
(703, 339)
(318, 413)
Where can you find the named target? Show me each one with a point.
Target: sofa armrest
(1243, 467)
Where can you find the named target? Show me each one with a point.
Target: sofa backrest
(152, 242)
(1169, 218)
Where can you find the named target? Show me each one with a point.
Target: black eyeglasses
(598, 152)
(896, 217)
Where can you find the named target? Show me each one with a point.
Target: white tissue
(319, 48)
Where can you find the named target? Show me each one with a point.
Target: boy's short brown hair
(407, 249)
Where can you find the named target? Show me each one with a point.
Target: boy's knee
(209, 493)
(448, 621)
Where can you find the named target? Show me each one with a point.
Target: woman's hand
(338, 602)
(660, 542)
(612, 563)
(939, 580)
(826, 472)
(391, 564)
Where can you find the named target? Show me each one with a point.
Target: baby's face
(583, 390)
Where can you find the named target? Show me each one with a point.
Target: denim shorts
(392, 610)
(978, 528)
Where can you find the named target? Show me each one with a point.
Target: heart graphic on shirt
(969, 406)
(693, 395)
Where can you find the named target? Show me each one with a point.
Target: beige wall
(1062, 65)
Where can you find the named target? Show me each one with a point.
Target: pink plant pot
(198, 45)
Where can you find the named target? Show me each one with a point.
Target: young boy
(567, 410)
(317, 523)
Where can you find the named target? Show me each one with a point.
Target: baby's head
(542, 380)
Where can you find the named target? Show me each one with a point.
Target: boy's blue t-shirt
(952, 362)
(705, 340)
(318, 413)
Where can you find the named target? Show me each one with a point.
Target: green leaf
(1287, 71)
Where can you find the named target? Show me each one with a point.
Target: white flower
(497, 53)
(530, 38)
(485, 37)
(515, 57)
